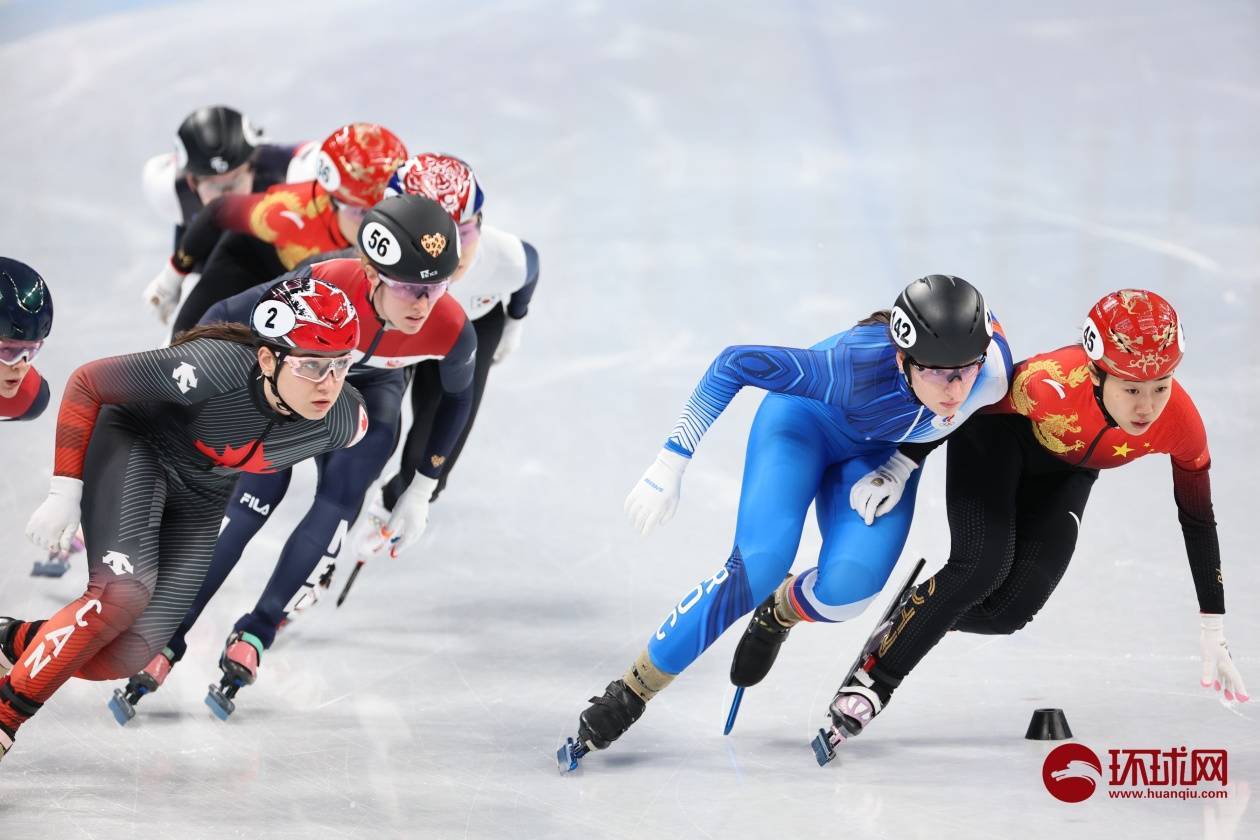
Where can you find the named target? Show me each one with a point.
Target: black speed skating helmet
(214, 140)
(26, 307)
(410, 238)
(941, 321)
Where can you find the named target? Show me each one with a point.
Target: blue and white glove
(878, 492)
(655, 498)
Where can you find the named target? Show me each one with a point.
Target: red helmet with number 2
(1134, 334)
(305, 315)
(355, 163)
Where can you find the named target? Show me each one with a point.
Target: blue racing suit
(834, 413)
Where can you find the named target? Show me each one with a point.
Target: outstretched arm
(782, 370)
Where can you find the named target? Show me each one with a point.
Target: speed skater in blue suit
(845, 425)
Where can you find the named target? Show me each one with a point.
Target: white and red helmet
(355, 163)
(306, 315)
(1134, 334)
(447, 180)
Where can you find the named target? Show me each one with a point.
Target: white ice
(694, 175)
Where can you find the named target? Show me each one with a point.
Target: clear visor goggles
(317, 368)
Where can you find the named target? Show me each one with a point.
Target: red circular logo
(1072, 772)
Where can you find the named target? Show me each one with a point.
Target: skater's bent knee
(122, 601)
(121, 658)
(847, 587)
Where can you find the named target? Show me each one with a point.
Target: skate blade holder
(824, 750)
(121, 707)
(220, 704)
(53, 568)
(569, 754)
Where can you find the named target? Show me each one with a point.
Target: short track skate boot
(8, 653)
(239, 663)
(604, 721)
(855, 705)
(609, 716)
(612, 714)
(759, 646)
(123, 703)
(6, 740)
(766, 632)
(867, 687)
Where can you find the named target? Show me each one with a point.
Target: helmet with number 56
(410, 239)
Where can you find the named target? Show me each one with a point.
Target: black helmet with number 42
(411, 239)
(941, 321)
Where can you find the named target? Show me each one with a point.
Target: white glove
(1218, 667)
(368, 538)
(53, 524)
(878, 492)
(655, 498)
(407, 523)
(510, 340)
(162, 293)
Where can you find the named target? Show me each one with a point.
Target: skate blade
(123, 711)
(730, 717)
(569, 754)
(220, 705)
(49, 569)
(823, 750)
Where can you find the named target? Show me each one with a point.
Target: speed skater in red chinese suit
(1018, 478)
(244, 240)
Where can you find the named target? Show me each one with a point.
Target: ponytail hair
(880, 316)
(222, 331)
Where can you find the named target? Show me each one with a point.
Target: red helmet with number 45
(1134, 334)
(304, 315)
(355, 163)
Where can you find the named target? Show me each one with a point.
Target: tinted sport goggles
(944, 375)
(317, 368)
(13, 351)
(415, 291)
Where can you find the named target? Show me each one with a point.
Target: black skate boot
(239, 663)
(6, 740)
(8, 656)
(759, 646)
(609, 716)
(604, 721)
(123, 703)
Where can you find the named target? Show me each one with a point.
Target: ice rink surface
(693, 175)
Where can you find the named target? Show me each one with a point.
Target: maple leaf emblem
(234, 457)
